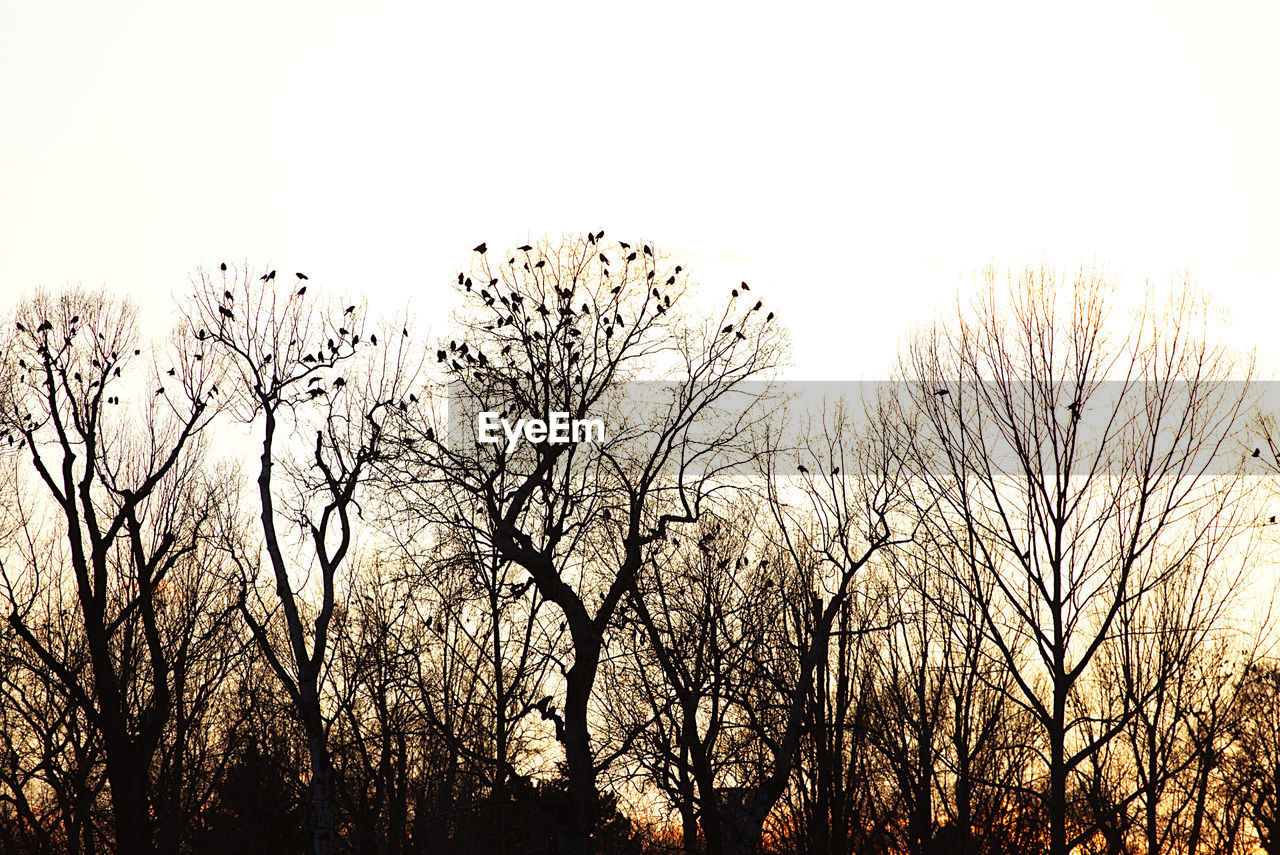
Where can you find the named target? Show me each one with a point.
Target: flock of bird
(566, 328)
(562, 321)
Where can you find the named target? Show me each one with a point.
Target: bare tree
(106, 473)
(294, 367)
(1255, 762)
(674, 697)
(1077, 471)
(564, 328)
(834, 513)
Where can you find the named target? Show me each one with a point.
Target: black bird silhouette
(302, 290)
(803, 471)
(757, 306)
(223, 266)
(301, 275)
(349, 310)
(271, 275)
(524, 248)
(941, 392)
(835, 471)
(540, 263)
(769, 317)
(440, 356)
(647, 250)
(225, 312)
(373, 339)
(624, 245)
(1257, 452)
(746, 287)
(734, 292)
(482, 248)
(631, 257)
(603, 258)
(228, 295)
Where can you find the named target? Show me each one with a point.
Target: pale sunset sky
(858, 163)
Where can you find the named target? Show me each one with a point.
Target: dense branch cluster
(263, 590)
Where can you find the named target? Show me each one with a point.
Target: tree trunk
(129, 805)
(964, 804)
(688, 824)
(322, 834)
(575, 838)
(1057, 780)
(1202, 790)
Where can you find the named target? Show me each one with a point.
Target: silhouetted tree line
(265, 592)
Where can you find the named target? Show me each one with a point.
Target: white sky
(857, 163)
